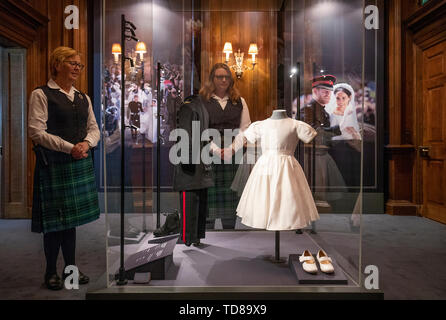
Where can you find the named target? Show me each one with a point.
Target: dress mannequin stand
(278, 115)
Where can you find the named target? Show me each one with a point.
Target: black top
(66, 119)
(135, 107)
(316, 116)
(228, 118)
(194, 174)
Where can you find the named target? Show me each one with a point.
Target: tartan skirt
(222, 201)
(65, 194)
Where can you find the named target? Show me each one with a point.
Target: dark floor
(410, 253)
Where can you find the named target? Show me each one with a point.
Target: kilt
(222, 201)
(65, 194)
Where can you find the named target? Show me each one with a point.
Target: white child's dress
(277, 196)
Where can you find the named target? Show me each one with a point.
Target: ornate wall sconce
(239, 67)
(116, 51)
(139, 50)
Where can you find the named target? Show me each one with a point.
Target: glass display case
(307, 58)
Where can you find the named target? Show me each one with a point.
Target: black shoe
(83, 279)
(171, 226)
(53, 282)
(197, 243)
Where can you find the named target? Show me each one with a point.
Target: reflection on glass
(324, 37)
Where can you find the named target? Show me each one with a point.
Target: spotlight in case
(293, 72)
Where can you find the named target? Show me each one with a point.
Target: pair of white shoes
(310, 266)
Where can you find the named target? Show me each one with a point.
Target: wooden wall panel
(401, 172)
(258, 86)
(414, 7)
(409, 25)
(394, 61)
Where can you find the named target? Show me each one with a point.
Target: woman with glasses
(227, 110)
(63, 128)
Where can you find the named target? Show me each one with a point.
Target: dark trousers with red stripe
(194, 209)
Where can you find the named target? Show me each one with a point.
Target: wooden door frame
(23, 25)
(14, 119)
(420, 33)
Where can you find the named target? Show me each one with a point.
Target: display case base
(233, 293)
(235, 265)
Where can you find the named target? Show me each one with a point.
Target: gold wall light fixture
(116, 51)
(239, 67)
(135, 65)
(140, 49)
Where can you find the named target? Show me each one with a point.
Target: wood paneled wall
(55, 34)
(407, 21)
(414, 7)
(259, 86)
(38, 26)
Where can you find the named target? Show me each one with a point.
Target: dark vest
(66, 119)
(220, 119)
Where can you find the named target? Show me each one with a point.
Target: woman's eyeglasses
(75, 64)
(223, 78)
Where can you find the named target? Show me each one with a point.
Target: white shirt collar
(53, 85)
(225, 98)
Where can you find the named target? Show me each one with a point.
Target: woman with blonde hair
(63, 128)
(227, 110)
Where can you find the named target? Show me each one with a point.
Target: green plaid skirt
(222, 201)
(65, 194)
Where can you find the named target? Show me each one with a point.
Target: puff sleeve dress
(277, 196)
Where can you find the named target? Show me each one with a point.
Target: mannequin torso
(279, 114)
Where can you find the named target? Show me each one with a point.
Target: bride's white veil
(350, 118)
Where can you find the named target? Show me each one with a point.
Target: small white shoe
(324, 262)
(308, 262)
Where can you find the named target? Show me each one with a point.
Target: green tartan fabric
(222, 201)
(65, 194)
